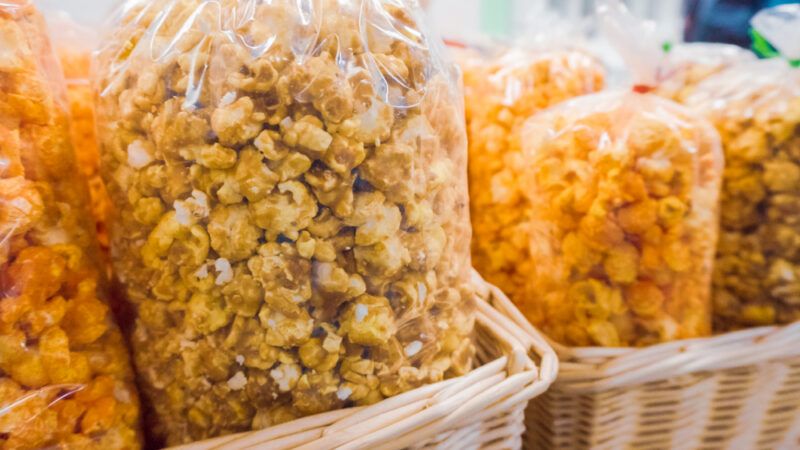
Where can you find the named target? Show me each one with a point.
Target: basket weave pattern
(484, 409)
(735, 391)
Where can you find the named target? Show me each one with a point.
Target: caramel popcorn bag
(65, 378)
(290, 207)
(501, 94)
(756, 108)
(686, 65)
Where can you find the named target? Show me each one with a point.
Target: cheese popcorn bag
(65, 377)
(290, 217)
(756, 108)
(620, 197)
(503, 87)
(74, 44)
(621, 194)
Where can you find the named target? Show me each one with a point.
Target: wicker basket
(483, 409)
(735, 391)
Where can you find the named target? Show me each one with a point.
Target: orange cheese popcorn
(74, 44)
(500, 96)
(620, 204)
(56, 331)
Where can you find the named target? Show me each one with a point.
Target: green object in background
(496, 17)
(764, 49)
(666, 46)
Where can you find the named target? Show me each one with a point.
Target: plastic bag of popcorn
(619, 214)
(687, 65)
(65, 377)
(290, 207)
(756, 108)
(621, 194)
(502, 90)
(74, 44)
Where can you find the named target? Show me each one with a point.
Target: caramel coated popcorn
(65, 378)
(291, 221)
(500, 97)
(756, 109)
(621, 197)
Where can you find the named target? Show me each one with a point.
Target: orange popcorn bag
(74, 45)
(502, 90)
(619, 193)
(65, 378)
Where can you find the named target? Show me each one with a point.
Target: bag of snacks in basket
(620, 199)
(756, 108)
(74, 44)
(621, 191)
(290, 207)
(503, 88)
(65, 377)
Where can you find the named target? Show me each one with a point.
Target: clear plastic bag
(65, 377)
(621, 200)
(291, 218)
(756, 108)
(687, 65)
(618, 215)
(501, 92)
(74, 45)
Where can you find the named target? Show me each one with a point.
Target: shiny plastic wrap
(74, 45)
(756, 109)
(290, 218)
(501, 92)
(687, 65)
(65, 377)
(621, 195)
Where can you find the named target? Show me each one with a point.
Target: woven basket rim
(495, 388)
(595, 369)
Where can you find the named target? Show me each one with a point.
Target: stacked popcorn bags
(285, 208)
(288, 198)
(620, 196)
(65, 378)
